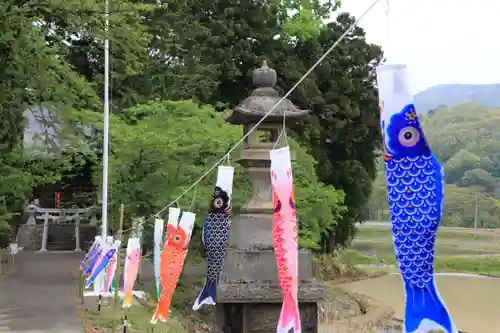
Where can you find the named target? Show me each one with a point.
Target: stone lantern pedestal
(249, 297)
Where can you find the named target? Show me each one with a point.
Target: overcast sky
(441, 41)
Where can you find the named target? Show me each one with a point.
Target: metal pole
(100, 280)
(105, 160)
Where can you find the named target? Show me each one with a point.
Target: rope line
(193, 201)
(282, 132)
(223, 158)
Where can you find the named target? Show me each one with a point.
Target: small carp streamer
(158, 241)
(91, 256)
(285, 238)
(111, 270)
(415, 191)
(215, 235)
(172, 259)
(102, 262)
(131, 269)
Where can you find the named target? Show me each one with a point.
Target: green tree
(166, 146)
(34, 78)
(206, 51)
(458, 164)
(303, 19)
(343, 131)
(77, 30)
(460, 206)
(481, 179)
(202, 51)
(4, 224)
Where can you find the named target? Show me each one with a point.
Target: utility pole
(476, 212)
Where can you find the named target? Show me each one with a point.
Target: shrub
(4, 232)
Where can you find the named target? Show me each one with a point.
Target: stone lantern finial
(264, 77)
(262, 100)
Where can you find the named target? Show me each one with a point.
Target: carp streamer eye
(408, 136)
(177, 238)
(218, 202)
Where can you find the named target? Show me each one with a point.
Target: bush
(4, 232)
(335, 265)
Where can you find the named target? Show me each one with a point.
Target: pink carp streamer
(285, 238)
(132, 262)
(110, 273)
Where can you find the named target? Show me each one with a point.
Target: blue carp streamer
(415, 188)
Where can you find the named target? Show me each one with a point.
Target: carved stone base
(262, 317)
(255, 307)
(266, 292)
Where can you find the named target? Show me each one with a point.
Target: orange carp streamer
(172, 259)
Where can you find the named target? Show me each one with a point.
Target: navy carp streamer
(415, 191)
(215, 235)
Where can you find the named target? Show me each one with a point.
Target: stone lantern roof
(262, 99)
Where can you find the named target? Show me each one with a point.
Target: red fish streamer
(285, 238)
(172, 259)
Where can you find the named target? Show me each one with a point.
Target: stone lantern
(255, 156)
(249, 296)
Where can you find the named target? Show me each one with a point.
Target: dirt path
(39, 296)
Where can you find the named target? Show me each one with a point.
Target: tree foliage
(202, 51)
(166, 146)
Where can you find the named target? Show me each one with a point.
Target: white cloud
(441, 41)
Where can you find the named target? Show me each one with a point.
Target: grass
(386, 233)
(138, 317)
(442, 248)
(489, 265)
(459, 251)
(476, 265)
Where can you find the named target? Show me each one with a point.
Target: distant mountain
(456, 94)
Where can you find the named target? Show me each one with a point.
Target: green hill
(466, 139)
(451, 95)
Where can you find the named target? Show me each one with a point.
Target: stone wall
(352, 313)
